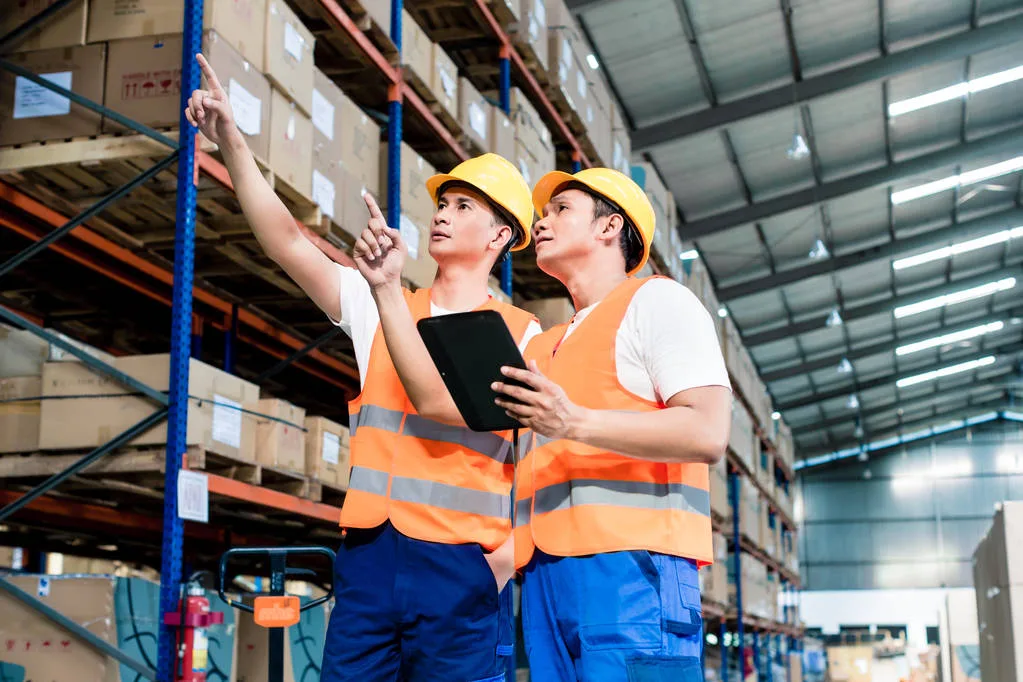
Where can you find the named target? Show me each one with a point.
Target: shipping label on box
(248, 92)
(473, 113)
(444, 82)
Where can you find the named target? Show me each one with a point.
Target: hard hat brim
(548, 185)
(435, 182)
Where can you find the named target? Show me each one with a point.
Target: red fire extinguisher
(193, 618)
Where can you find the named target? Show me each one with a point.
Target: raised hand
(380, 251)
(209, 110)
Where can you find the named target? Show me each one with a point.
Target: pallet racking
(144, 268)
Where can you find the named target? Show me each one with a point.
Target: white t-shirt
(360, 317)
(667, 342)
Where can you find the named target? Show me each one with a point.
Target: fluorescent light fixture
(955, 297)
(985, 173)
(819, 250)
(945, 371)
(591, 59)
(971, 333)
(852, 402)
(691, 254)
(776, 416)
(845, 366)
(955, 91)
(722, 312)
(798, 149)
(956, 249)
(953, 469)
(834, 319)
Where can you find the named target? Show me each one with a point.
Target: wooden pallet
(332, 493)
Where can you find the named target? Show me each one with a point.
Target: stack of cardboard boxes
(742, 439)
(714, 578)
(756, 593)
(719, 500)
(417, 209)
(663, 202)
(327, 452)
(567, 51)
(998, 580)
(550, 311)
(534, 149)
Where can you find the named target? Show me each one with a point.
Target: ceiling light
(834, 319)
(799, 148)
(945, 371)
(858, 431)
(962, 335)
(955, 297)
(956, 249)
(863, 456)
(591, 59)
(819, 250)
(955, 91)
(969, 178)
(852, 402)
(845, 366)
(776, 416)
(722, 312)
(867, 474)
(691, 254)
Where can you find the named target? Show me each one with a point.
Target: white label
(294, 43)
(18, 559)
(246, 107)
(563, 72)
(447, 81)
(541, 12)
(580, 83)
(566, 52)
(534, 28)
(589, 113)
(323, 193)
(410, 233)
(478, 119)
(43, 588)
(32, 100)
(193, 496)
(289, 133)
(524, 169)
(323, 115)
(331, 448)
(227, 421)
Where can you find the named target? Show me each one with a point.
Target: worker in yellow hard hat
(628, 404)
(421, 574)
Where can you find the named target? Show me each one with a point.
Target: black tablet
(469, 350)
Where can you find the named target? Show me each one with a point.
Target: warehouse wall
(908, 518)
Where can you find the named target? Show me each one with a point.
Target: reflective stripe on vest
(442, 495)
(489, 444)
(637, 494)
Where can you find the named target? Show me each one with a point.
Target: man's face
(566, 231)
(464, 227)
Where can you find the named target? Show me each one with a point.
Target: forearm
(270, 220)
(674, 434)
(411, 359)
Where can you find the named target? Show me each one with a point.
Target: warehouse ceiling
(801, 139)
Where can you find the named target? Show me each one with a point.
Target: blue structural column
(756, 655)
(504, 95)
(724, 651)
(181, 326)
(577, 164)
(230, 337)
(733, 493)
(394, 114)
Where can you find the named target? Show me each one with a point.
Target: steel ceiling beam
(945, 49)
(889, 250)
(580, 6)
(817, 319)
(996, 405)
(938, 397)
(1003, 353)
(1010, 140)
(832, 360)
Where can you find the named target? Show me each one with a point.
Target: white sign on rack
(193, 496)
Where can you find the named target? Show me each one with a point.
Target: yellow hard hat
(501, 182)
(612, 185)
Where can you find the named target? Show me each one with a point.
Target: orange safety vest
(573, 499)
(433, 481)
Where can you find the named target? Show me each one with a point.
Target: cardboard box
(327, 451)
(66, 29)
(621, 152)
(532, 27)
(474, 114)
(303, 647)
(567, 69)
(19, 418)
(143, 81)
(288, 54)
(416, 51)
(507, 8)
(247, 90)
(380, 12)
(280, 434)
(327, 173)
(91, 421)
(122, 611)
(495, 290)
(415, 199)
(444, 80)
(421, 268)
(31, 113)
(12, 557)
(241, 23)
(550, 311)
(501, 134)
(291, 144)
(360, 147)
(22, 353)
(850, 663)
(719, 488)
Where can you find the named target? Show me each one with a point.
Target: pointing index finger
(371, 204)
(207, 70)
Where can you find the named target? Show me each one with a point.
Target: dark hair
(499, 214)
(629, 240)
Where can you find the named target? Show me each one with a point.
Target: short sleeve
(532, 330)
(359, 314)
(677, 339)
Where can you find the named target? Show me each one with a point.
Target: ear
(501, 235)
(611, 229)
